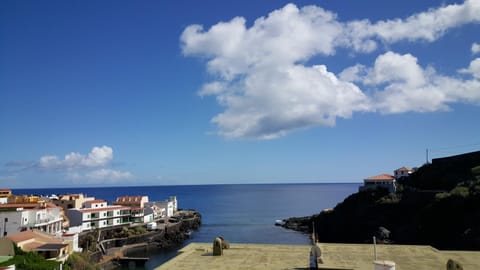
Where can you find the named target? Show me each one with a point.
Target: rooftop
(335, 256)
(402, 169)
(381, 177)
(96, 201)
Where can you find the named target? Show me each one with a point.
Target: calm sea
(239, 213)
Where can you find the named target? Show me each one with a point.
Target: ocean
(243, 213)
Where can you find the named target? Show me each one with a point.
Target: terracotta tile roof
(31, 246)
(402, 169)
(19, 205)
(130, 198)
(381, 177)
(36, 235)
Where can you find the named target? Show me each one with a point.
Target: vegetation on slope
(30, 260)
(438, 205)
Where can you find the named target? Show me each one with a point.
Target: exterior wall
(41, 219)
(173, 199)
(388, 184)
(72, 240)
(158, 212)
(168, 206)
(101, 218)
(11, 222)
(148, 215)
(70, 201)
(75, 217)
(48, 220)
(3, 200)
(95, 204)
(4, 193)
(401, 173)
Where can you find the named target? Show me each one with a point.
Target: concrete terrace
(335, 256)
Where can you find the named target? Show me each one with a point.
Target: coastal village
(56, 226)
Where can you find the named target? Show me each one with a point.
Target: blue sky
(105, 93)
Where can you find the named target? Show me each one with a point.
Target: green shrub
(79, 261)
(460, 191)
(442, 195)
(476, 170)
(140, 230)
(30, 260)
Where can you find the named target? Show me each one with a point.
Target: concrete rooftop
(335, 256)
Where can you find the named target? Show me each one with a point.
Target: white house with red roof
(97, 214)
(379, 181)
(402, 172)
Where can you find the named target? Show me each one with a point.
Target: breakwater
(110, 247)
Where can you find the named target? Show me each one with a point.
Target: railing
(44, 221)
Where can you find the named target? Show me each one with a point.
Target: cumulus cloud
(109, 174)
(400, 84)
(100, 176)
(276, 102)
(427, 26)
(91, 168)
(475, 48)
(473, 69)
(262, 79)
(98, 156)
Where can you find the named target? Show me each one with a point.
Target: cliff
(438, 205)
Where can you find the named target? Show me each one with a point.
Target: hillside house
(379, 181)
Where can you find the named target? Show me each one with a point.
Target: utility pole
(426, 151)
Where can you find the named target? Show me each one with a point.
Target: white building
(97, 214)
(44, 217)
(402, 172)
(383, 181)
(5, 193)
(137, 206)
(164, 208)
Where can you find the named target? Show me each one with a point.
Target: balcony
(43, 222)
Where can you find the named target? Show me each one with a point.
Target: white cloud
(277, 102)
(400, 85)
(100, 176)
(98, 156)
(428, 26)
(109, 174)
(475, 48)
(261, 77)
(286, 36)
(473, 69)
